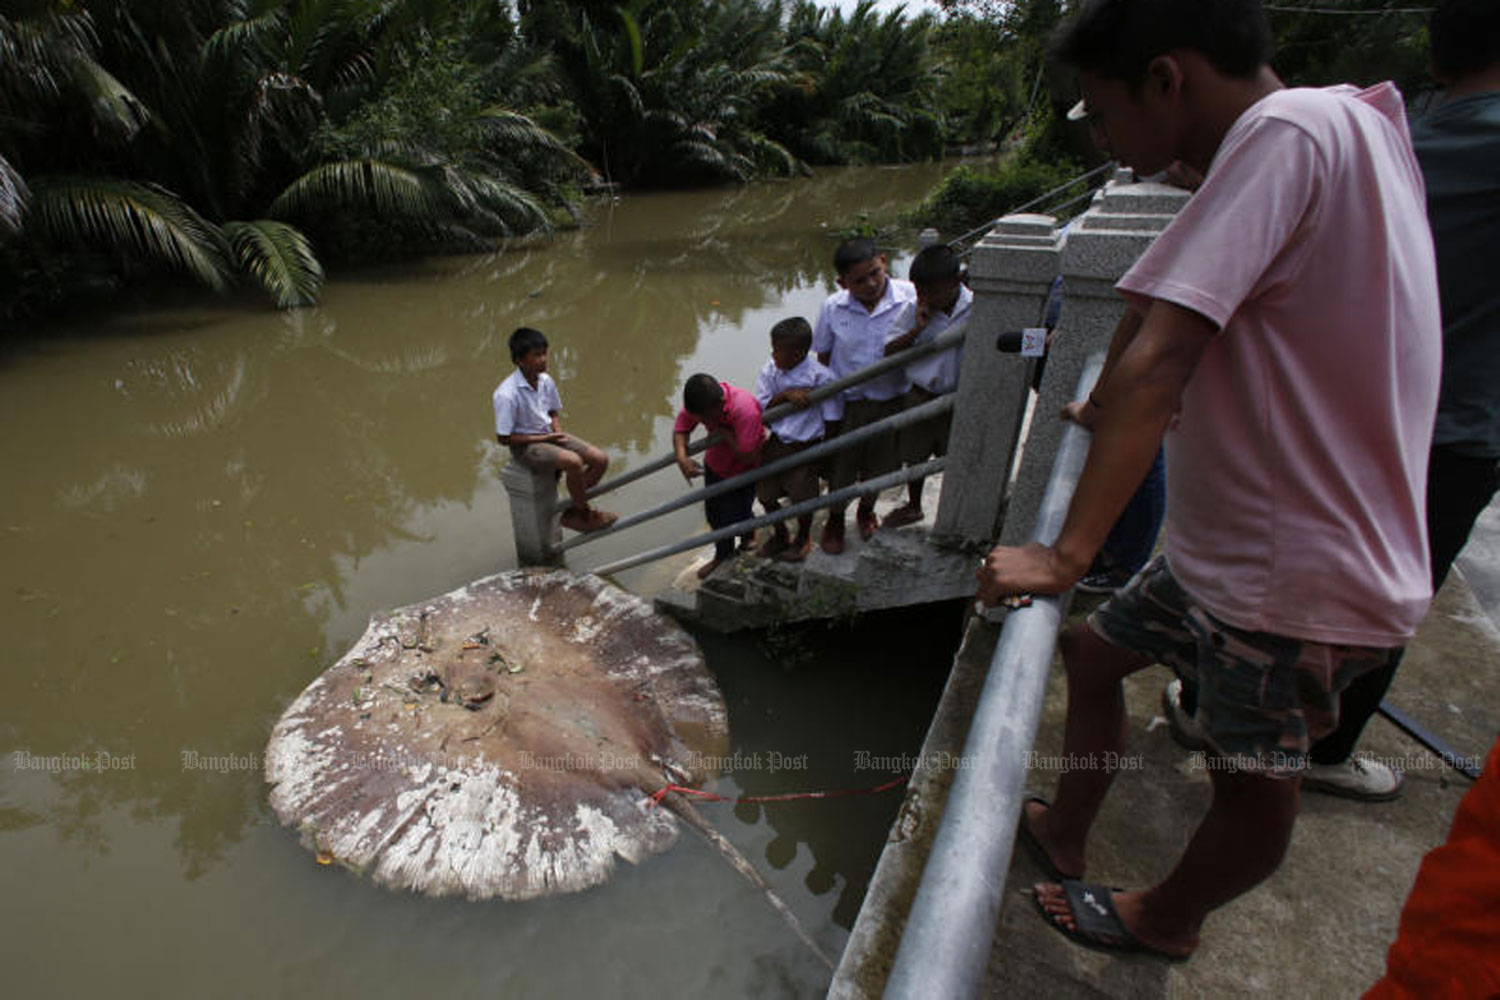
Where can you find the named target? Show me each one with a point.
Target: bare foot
(598, 519)
(800, 547)
(833, 534)
(1066, 863)
(1053, 901)
(774, 545)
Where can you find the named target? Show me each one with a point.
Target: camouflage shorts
(1263, 699)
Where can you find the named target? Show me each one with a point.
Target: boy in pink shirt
(1290, 318)
(719, 406)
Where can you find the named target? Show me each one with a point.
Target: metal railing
(949, 934)
(896, 421)
(1041, 199)
(839, 496)
(949, 339)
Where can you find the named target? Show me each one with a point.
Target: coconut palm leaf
(279, 258)
(251, 30)
(516, 129)
(113, 103)
(518, 209)
(364, 184)
(137, 218)
(12, 197)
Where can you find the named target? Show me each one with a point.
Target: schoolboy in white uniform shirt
(850, 334)
(788, 378)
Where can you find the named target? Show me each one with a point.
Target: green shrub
(968, 198)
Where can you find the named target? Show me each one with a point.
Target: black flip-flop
(1096, 923)
(1034, 848)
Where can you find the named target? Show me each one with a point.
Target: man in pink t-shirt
(1290, 321)
(719, 406)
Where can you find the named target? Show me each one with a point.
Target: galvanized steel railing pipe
(905, 418)
(949, 933)
(951, 337)
(906, 475)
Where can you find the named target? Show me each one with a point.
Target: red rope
(837, 793)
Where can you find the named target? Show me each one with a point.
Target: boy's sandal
(1096, 923)
(903, 515)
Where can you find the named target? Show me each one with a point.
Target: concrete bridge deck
(895, 568)
(1320, 926)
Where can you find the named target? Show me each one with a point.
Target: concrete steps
(895, 568)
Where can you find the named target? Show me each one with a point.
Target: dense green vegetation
(995, 84)
(245, 143)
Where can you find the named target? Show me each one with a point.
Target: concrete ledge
(867, 957)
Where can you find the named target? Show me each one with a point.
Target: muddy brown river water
(204, 502)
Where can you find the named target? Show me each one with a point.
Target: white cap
(1078, 112)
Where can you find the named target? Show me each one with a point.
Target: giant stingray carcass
(510, 739)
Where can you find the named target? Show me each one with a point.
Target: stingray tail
(741, 864)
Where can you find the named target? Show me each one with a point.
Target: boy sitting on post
(942, 300)
(526, 408)
(788, 378)
(719, 406)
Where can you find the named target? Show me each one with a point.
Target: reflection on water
(202, 506)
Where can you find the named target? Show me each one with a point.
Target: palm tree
(669, 91)
(221, 122)
(871, 100)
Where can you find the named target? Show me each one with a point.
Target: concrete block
(1011, 272)
(532, 496)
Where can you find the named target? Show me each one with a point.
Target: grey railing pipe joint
(945, 948)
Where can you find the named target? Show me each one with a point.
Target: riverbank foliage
(244, 144)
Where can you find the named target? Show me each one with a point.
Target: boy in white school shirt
(942, 301)
(526, 408)
(788, 378)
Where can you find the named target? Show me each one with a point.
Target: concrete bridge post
(1010, 272)
(1095, 251)
(533, 495)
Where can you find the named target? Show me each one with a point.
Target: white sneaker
(1362, 778)
(1185, 728)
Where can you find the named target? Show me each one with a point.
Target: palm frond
(12, 197)
(242, 35)
(137, 218)
(279, 258)
(367, 184)
(112, 102)
(519, 209)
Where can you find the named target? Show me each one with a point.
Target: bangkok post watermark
(770, 761)
(91, 761)
(1108, 760)
(902, 763)
(1279, 762)
(221, 763)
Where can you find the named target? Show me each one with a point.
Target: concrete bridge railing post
(533, 498)
(1010, 272)
(1095, 251)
